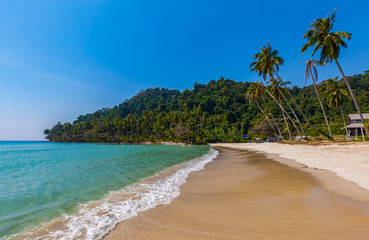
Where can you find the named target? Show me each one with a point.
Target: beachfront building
(356, 127)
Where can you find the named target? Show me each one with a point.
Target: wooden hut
(356, 127)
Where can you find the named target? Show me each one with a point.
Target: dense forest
(214, 112)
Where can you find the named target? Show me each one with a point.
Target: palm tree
(284, 111)
(313, 73)
(273, 118)
(330, 43)
(275, 93)
(281, 92)
(262, 90)
(267, 63)
(199, 114)
(287, 127)
(334, 93)
(254, 92)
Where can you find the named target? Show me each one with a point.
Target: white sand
(349, 161)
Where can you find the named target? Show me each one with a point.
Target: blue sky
(61, 59)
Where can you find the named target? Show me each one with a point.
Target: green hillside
(212, 112)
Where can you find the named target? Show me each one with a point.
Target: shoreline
(327, 178)
(132, 143)
(96, 218)
(348, 161)
(243, 194)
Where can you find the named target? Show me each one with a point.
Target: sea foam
(95, 219)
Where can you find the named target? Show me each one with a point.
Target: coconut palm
(254, 92)
(267, 60)
(272, 116)
(284, 115)
(321, 36)
(279, 103)
(275, 92)
(334, 93)
(287, 127)
(267, 64)
(283, 94)
(262, 90)
(313, 73)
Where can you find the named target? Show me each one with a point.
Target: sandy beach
(244, 194)
(348, 160)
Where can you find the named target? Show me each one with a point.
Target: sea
(82, 190)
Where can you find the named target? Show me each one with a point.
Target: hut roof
(357, 117)
(354, 125)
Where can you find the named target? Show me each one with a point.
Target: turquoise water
(40, 181)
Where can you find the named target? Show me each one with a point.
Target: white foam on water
(95, 222)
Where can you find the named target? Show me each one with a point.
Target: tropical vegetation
(214, 112)
(329, 43)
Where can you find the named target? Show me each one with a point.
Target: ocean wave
(94, 220)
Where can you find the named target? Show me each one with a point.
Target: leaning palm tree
(313, 73)
(334, 93)
(287, 127)
(267, 60)
(262, 91)
(254, 92)
(321, 36)
(275, 92)
(267, 63)
(279, 103)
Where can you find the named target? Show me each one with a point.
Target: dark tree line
(213, 112)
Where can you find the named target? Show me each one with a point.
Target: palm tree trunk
(283, 110)
(267, 119)
(294, 114)
(321, 104)
(288, 128)
(275, 122)
(362, 134)
(351, 93)
(301, 112)
(344, 121)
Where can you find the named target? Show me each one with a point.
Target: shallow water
(41, 181)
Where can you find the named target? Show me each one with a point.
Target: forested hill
(213, 112)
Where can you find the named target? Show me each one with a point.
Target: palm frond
(329, 43)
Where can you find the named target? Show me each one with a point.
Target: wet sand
(246, 195)
(347, 160)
